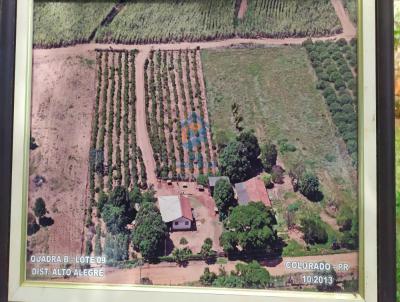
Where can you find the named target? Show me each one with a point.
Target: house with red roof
(176, 212)
(252, 190)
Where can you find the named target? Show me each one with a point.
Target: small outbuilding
(252, 190)
(176, 212)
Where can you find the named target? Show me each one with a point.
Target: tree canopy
(149, 231)
(40, 207)
(224, 197)
(251, 275)
(118, 210)
(250, 143)
(269, 155)
(313, 229)
(250, 227)
(309, 185)
(234, 162)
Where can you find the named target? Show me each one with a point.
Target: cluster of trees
(118, 210)
(332, 62)
(249, 230)
(306, 182)
(150, 231)
(251, 275)
(39, 218)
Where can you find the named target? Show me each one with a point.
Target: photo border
(371, 83)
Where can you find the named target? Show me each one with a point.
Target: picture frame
(377, 226)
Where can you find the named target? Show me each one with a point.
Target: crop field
(177, 117)
(280, 19)
(161, 21)
(115, 158)
(281, 104)
(351, 7)
(59, 23)
(334, 64)
(142, 22)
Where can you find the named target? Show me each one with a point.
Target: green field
(351, 7)
(59, 23)
(156, 21)
(281, 104)
(275, 18)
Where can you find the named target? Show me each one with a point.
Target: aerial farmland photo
(203, 143)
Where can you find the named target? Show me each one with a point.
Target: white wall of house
(181, 224)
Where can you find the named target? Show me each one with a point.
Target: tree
(251, 275)
(208, 277)
(250, 227)
(116, 247)
(149, 232)
(350, 238)
(40, 207)
(202, 180)
(118, 211)
(313, 229)
(206, 250)
(224, 197)
(103, 199)
(149, 196)
(135, 195)
(33, 227)
(269, 155)
(250, 143)
(181, 255)
(309, 186)
(234, 163)
(345, 218)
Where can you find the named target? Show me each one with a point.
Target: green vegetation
(279, 102)
(224, 197)
(149, 231)
(156, 21)
(352, 9)
(309, 186)
(314, 230)
(57, 23)
(39, 208)
(333, 63)
(65, 23)
(289, 18)
(269, 155)
(251, 275)
(250, 229)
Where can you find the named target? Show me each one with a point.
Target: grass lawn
(275, 90)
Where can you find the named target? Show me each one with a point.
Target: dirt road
(142, 136)
(242, 9)
(171, 274)
(349, 30)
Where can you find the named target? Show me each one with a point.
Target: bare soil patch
(62, 104)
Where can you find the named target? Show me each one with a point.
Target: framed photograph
(198, 149)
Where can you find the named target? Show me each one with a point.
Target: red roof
(186, 207)
(253, 190)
